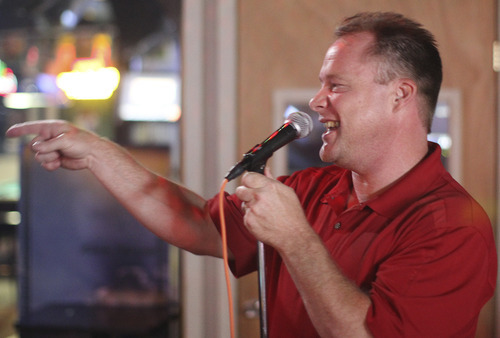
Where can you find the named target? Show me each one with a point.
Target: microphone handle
(258, 167)
(255, 159)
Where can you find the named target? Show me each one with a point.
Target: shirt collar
(338, 196)
(411, 186)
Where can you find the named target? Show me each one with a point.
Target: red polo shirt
(423, 250)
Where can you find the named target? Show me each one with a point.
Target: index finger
(46, 128)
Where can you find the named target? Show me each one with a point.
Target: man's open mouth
(332, 125)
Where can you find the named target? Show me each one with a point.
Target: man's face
(356, 111)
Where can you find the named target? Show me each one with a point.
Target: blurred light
(444, 140)
(91, 78)
(496, 56)
(442, 111)
(65, 55)
(101, 49)
(25, 100)
(97, 11)
(12, 218)
(150, 98)
(290, 109)
(69, 19)
(8, 81)
(89, 84)
(46, 83)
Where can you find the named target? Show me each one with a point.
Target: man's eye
(337, 88)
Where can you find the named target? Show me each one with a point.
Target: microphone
(297, 125)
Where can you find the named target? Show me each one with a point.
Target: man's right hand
(58, 143)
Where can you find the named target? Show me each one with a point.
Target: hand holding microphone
(297, 125)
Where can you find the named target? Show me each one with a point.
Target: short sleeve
(241, 243)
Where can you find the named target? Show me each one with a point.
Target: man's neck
(368, 185)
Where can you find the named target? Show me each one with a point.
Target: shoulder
(458, 206)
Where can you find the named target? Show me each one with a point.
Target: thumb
(267, 173)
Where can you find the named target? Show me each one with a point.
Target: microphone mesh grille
(302, 123)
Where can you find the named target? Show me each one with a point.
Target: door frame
(208, 143)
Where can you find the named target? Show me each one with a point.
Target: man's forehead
(354, 45)
(333, 50)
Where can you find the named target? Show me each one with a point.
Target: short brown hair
(405, 49)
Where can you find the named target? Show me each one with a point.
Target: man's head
(404, 49)
(379, 85)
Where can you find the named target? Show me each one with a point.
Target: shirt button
(337, 225)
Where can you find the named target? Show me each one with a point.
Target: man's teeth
(332, 125)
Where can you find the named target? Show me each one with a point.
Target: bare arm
(336, 306)
(171, 211)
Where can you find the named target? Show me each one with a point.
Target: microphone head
(302, 122)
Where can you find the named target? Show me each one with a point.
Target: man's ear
(404, 91)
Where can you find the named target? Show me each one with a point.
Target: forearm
(274, 215)
(336, 306)
(171, 211)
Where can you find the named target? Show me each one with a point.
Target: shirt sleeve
(436, 281)
(241, 243)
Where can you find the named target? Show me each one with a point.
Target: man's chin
(327, 158)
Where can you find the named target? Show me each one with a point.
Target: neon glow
(8, 81)
(89, 85)
(91, 78)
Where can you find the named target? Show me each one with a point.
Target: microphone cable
(225, 256)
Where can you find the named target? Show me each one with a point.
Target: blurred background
(112, 67)
(188, 86)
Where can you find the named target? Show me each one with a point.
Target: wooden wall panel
(282, 44)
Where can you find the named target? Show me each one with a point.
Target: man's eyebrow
(330, 77)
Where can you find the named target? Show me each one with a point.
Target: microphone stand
(262, 289)
(297, 125)
(262, 272)
(251, 164)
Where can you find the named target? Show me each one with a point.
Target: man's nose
(318, 101)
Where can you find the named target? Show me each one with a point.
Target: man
(383, 243)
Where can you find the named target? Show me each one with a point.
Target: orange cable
(225, 255)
